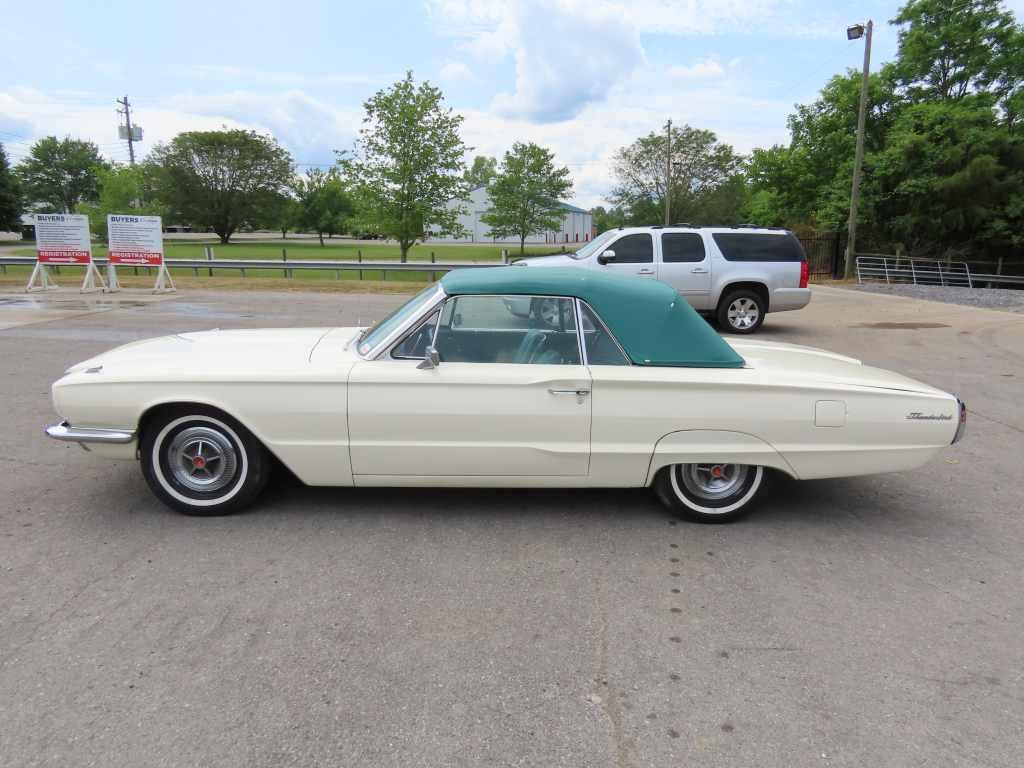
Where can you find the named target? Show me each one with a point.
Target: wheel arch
(758, 287)
(153, 410)
(693, 446)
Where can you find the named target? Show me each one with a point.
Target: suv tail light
(805, 273)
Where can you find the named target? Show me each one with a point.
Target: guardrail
(892, 269)
(287, 266)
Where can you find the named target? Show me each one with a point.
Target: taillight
(805, 273)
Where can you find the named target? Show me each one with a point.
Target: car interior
(485, 329)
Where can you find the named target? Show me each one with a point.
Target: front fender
(713, 446)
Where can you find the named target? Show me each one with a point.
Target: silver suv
(736, 274)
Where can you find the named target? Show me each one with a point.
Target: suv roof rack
(685, 224)
(758, 226)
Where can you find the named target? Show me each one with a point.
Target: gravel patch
(988, 298)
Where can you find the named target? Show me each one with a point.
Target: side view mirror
(605, 257)
(430, 360)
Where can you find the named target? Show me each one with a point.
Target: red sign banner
(53, 256)
(136, 258)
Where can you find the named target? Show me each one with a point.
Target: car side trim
(68, 434)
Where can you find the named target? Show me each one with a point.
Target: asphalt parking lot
(856, 622)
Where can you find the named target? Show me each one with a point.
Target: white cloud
(708, 69)
(308, 128)
(228, 76)
(456, 70)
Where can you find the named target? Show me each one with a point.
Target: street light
(855, 32)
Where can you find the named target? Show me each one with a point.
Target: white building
(577, 224)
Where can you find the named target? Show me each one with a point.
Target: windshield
(594, 246)
(375, 335)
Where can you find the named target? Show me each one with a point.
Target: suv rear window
(751, 246)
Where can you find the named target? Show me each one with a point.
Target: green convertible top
(653, 323)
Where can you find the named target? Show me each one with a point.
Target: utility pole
(128, 124)
(668, 170)
(853, 33)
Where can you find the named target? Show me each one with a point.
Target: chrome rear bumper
(68, 434)
(961, 415)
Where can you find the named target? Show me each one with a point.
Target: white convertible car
(619, 384)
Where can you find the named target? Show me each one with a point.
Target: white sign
(135, 240)
(63, 238)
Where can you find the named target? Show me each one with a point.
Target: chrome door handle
(645, 272)
(574, 392)
(698, 270)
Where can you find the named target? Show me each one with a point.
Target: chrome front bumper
(68, 434)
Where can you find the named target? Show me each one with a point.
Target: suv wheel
(741, 311)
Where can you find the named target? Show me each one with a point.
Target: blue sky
(582, 78)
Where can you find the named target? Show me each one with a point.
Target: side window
(601, 348)
(537, 330)
(751, 246)
(633, 249)
(681, 246)
(414, 346)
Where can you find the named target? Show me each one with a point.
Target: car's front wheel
(202, 462)
(709, 493)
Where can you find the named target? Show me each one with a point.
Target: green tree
(951, 48)
(11, 205)
(607, 218)
(480, 173)
(807, 183)
(950, 181)
(707, 182)
(284, 213)
(220, 179)
(325, 204)
(525, 193)
(120, 189)
(61, 173)
(409, 164)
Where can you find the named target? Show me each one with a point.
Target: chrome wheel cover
(201, 459)
(743, 313)
(713, 481)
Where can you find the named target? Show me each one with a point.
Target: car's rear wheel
(202, 462)
(709, 493)
(741, 311)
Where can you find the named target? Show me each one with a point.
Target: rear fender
(713, 446)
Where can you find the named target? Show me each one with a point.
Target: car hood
(819, 366)
(213, 354)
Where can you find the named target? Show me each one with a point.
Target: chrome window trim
(604, 325)
(386, 343)
(415, 329)
(579, 331)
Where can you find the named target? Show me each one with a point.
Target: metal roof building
(576, 227)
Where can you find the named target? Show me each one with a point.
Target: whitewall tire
(202, 462)
(709, 493)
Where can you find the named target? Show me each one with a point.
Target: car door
(509, 397)
(686, 265)
(634, 255)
